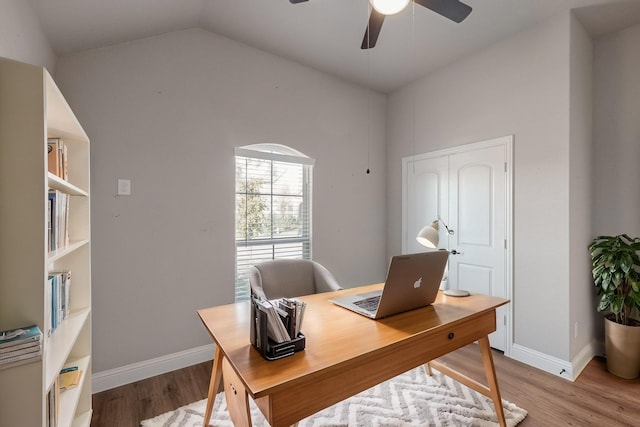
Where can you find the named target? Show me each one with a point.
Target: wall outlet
(124, 187)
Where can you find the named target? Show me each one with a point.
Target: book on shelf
(69, 377)
(53, 156)
(51, 221)
(57, 157)
(48, 313)
(63, 280)
(58, 298)
(53, 404)
(57, 220)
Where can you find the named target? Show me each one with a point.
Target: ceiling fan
(451, 9)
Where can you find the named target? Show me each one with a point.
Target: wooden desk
(345, 354)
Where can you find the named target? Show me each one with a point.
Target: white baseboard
(116, 377)
(554, 365)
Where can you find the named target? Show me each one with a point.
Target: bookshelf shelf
(57, 183)
(61, 253)
(33, 110)
(60, 343)
(83, 419)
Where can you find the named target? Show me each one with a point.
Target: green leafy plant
(615, 273)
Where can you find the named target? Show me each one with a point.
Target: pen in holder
(259, 335)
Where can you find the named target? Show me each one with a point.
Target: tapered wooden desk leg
(427, 368)
(236, 395)
(214, 383)
(490, 372)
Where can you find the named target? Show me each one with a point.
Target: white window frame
(284, 154)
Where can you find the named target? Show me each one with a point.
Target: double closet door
(468, 188)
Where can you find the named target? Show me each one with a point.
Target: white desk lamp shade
(389, 7)
(428, 236)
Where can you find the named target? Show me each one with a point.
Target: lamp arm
(449, 231)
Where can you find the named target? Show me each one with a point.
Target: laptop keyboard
(369, 304)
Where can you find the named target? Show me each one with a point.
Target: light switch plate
(124, 187)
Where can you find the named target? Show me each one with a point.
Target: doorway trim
(507, 143)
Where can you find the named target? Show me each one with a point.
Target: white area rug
(410, 399)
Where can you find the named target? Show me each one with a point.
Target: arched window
(273, 207)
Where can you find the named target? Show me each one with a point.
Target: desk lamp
(429, 237)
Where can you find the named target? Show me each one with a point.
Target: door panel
(474, 205)
(426, 200)
(478, 279)
(477, 214)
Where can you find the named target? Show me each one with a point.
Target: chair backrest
(291, 278)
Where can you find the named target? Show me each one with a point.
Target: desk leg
(490, 373)
(236, 395)
(214, 383)
(427, 368)
(491, 390)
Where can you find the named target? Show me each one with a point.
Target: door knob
(454, 252)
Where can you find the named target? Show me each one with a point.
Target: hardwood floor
(596, 398)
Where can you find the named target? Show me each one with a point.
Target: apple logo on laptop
(417, 283)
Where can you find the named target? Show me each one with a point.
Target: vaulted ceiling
(323, 34)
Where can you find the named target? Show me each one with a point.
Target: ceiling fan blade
(297, 1)
(373, 30)
(452, 9)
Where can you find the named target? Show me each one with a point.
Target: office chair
(289, 278)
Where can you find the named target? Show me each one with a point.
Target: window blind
(273, 212)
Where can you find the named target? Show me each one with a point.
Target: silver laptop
(412, 282)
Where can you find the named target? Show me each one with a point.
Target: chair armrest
(255, 282)
(324, 280)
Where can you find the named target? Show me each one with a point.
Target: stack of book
(20, 346)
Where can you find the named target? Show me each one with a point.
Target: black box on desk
(268, 348)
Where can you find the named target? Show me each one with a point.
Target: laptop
(412, 282)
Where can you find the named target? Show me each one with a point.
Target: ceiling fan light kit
(389, 7)
(454, 10)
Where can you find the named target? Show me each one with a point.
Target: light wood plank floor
(596, 398)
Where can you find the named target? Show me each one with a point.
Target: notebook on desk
(412, 282)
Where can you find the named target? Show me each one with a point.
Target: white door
(477, 216)
(468, 188)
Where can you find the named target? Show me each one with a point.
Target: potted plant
(616, 267)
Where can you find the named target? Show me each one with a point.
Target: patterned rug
(410, 399)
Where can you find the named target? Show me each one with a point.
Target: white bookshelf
(32, 109)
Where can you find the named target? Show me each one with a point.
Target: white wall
(166, 112)
(617, 133)
(22, 37)
(616, 137)
(519, 86)
(581, 290)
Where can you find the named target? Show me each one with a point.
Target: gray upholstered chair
(288, 278)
